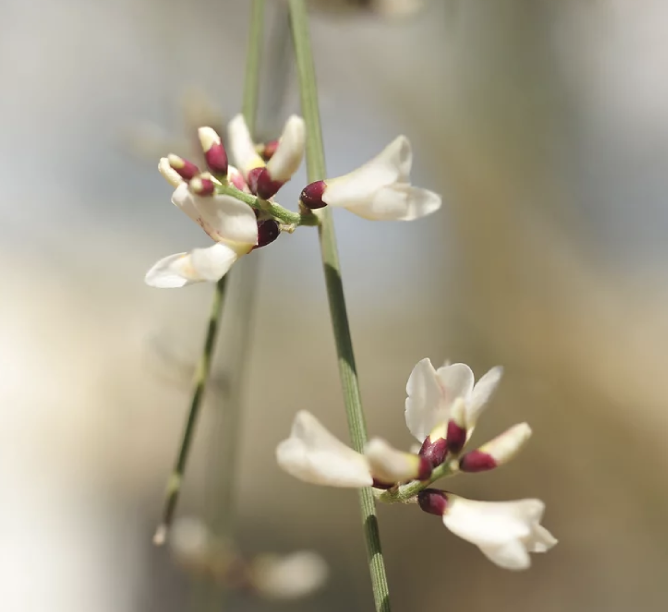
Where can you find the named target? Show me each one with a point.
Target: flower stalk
(315, 161)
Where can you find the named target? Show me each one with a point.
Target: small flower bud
(267, 232)
(214, 152)
(265, 187)
(498, 451)
(434, 448)
(202, 186)
(186, 169)
(311, 195)
(456, 433)
(433, 501)
(235, 177)
(267, 149)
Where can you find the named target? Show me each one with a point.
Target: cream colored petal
(290, 152)
(456, 381)
(389, 465)
(390, 166)
(314, 455)
(223, 217)
(182, 269)
(481, 394)
(511, 555)
(425, 407)
(399, 202)
(241, 146)
(185, 201)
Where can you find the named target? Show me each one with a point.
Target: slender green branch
(406, 493)
(201, 377)
(275, 210)
(315, 160)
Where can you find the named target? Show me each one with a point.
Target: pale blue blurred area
(545, 127)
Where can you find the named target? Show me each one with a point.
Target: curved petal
(456, 381)
(389, 465)
(398, 202)
(314, 455)
(425, 407)
(242, 147)
(184, 200)
(540, 540)
(199, 265)
(391, 165)
(223, 217)
(290, 152)
(481, 393)
(168, 173)
(490, 524)
(512, 555)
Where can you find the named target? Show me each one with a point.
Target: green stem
(201, 377)
(315, 159)
(276, 210)
(406, 493)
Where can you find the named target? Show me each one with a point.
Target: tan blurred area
(545, 126)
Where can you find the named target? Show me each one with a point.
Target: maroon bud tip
(456, 437)
(477, 461)
(377, 484)
(433, 501)
(425, 469)
(216, 159)
(252, 179)
(434, 452)
(267, 232)
(267, 188)
(269, 149)
(311, 196)
(186, 169)
(202, 186)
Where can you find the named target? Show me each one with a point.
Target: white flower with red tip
(441, 409)
(226, 220)
(379, 190)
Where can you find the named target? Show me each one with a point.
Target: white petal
(314, 455)
(456, 381)
(168, 173)
(392, 165)
(540, 540)
(389, 465)
(242, 147)
(511, 555)
(223, 217)
(288, 156)
(481, 393)
(492, 524)
(290, 576)
(183, 199)
(399, 202)
(425, 407)
(199, 265)
(505, 446)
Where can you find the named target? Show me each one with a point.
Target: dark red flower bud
(267, 232)
(311, 195)
(252, 179)
(202, 186)
(456, 437)
(214, 152)
(435, 452)
(425, 469)
(268, 149)
(186, 169)
(266, 188)
(477, 461)
(433, 501)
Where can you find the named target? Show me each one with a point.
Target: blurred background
(545, 126)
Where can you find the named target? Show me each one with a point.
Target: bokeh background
(545, 126)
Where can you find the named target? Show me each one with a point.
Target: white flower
(378, 190)
(228, 221)
(506, 532)
(290, 151)
(314, 455)
(289, 577)
(242, 147)
(432, 394)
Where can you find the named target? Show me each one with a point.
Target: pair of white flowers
(441, 411)
(379, 190)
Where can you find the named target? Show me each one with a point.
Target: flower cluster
(235, 208)
(442, 409)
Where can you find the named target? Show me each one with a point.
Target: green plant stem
(406, 493)
(201, 377)
(315, 159)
